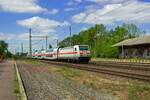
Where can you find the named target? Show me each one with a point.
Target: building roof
(134, 41)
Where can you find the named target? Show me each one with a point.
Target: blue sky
(53, 17)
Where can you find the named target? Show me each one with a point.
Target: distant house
(134, 48)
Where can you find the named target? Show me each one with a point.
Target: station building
(134, 48)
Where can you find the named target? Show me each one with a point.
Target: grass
(125, 90)
(17, 90)
(34, 62)
(69, 72)
(139, 92)
(65, 71)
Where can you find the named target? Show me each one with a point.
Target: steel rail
(92, 68)
(122, 66)
(122, 63)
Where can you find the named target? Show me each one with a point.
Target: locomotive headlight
(81, 53)
(88, 52)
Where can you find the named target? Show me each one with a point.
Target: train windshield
(83, 47)
(50, 50)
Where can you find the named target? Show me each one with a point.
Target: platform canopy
(134, 41)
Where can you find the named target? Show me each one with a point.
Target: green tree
(100, 40)
(133, 30)
(4, 49)
(50, 46)
(65, 42)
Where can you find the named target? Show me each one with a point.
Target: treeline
(101, 40)
(4, 53)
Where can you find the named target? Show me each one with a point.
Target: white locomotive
(76, 53)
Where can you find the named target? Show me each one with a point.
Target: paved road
(7, 81)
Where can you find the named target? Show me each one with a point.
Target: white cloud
(109, 1)
(84, 28)
(69, 9)
(65, 23)
(21, 6)
(2, 36)
(79, 1)
(70, 3)
(41, 24)
(12, 37)
(74, 2)
(133, 11)
(79, 18)
(52, 12)
(15, 43)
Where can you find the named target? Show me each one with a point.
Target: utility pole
(42, 47)
(22, 48)
(95, 38)
(43, 37)
(30, 43)
(18, 50)
(34, 36)
(46, 37)
(70, 35)
(57, 42)
(15, 52)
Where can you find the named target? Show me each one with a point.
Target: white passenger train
(76, 53)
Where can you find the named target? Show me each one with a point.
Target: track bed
(128, 70)
(40, 84)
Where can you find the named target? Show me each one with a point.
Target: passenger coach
(77, 53)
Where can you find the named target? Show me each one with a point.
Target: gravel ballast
(40, 84)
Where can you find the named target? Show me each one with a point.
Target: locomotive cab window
(83, 47)
(75, 49)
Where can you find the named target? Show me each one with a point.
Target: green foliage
(4, 49)
(101, 40)
(133, 30)
(50, 46)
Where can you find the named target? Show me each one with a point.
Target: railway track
(42, 82)
(123, 65)
(129, 71)
(59, 83)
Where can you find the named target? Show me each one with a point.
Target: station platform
(7, 80)
(145, 61)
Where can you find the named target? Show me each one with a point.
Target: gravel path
(43, 85)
